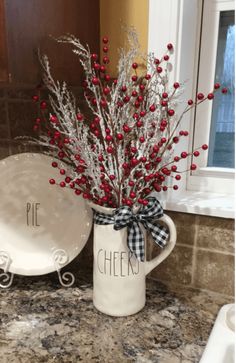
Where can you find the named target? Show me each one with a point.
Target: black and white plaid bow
(124, 217)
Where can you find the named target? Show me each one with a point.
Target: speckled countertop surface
(42, 322)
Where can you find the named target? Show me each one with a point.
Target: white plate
(62, 220)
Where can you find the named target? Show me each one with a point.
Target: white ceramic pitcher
(119, 287)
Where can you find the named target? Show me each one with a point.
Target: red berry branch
(122, 149)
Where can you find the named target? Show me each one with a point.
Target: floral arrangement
(124, 149)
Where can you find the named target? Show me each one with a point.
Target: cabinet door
(30, 23)
(3, 47)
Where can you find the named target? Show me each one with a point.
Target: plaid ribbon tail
(159, 233)
(136, 242)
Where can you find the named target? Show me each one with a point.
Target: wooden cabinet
(27, 25)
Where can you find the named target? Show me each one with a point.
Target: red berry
(169, 46)
(134, 78)
(43, 105)
(164, 95)
(95, 81)
(193, 167)
(131, 183)
(35, 98)
(62, 184)
(136, 104)
(141, 139)
(174, 168)
(224, 90)
(107, 77)
(119, 136)
(105, 49)
(157, 187)
(166, 57)
(164, 188)
(163, 140)
(77, 192)
(217, 85)
(103, 103)
(148, 76)
(184, 154)
(94, 56)
(139, 123)
(96, 66)
(62, 171)
(106, 90)
(175, 140)
(142, 113)
(175, 187)
(106, 60)
(126, 99)
(134, 93)
(210, 96)
(176, 158)
(159, 69)
(178, 177)
(52, 181)
(200, 96)
(171, 112)
(204, 147)
(105, 40)
(190, 102)
(132, 195)
(67, 179)
(61, 154)
(163, 123)
(126, 128)
(135, 65)
(176, 85)
(156, 61)
(108, 138)
(140, 98)
(110, 149)
(164, 103)
(54, 164)
(196, 153)
(123, 88)
(142, 87)
(112, 177)
(53, 119)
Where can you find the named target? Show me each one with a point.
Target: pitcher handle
(150, 265)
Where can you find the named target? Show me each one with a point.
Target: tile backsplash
(203, 256)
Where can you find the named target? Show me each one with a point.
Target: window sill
(210, 204)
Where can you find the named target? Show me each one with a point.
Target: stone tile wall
(204, 254)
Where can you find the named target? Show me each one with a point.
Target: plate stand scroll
(60, 259)
(6, 277)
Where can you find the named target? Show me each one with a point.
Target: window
(214, 120)
(200, 30)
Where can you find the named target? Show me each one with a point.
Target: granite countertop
(42, 322)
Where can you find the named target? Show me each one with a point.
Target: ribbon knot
(124, 217)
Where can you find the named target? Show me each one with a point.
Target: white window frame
(179, 22)
(209, 179)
